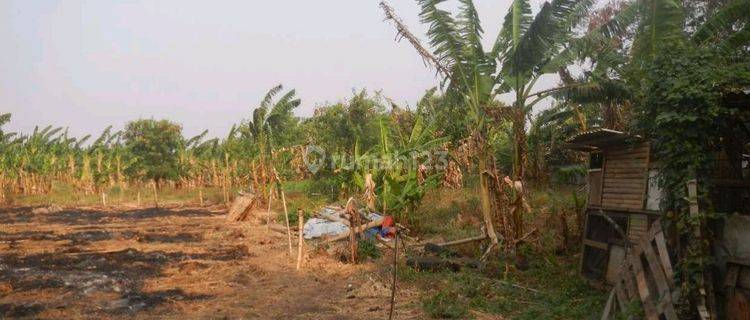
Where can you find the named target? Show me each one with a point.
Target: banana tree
(526, 48)
(268, 122)
(402, 167)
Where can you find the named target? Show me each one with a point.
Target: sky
(86, 65)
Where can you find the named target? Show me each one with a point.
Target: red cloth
(387, 221)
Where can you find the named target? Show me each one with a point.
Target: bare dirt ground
(175, 263)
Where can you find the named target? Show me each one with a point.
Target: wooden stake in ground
(104, 199)
(224, 190)
(156, 195)
(268, 215)
(301, 219)
(351, 210)
(200, 196)
(138, 198)
(286, 217)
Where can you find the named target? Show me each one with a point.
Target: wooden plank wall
(637, 227)
(625, 176)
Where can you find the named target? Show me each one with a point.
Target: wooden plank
(643, 291)
(626, 163)
(640, 165)
(622, 298)
(595, 181)
(639, 156)
(666, 308)
(610, 169)
(661, 246)
(656, 270)
(610, 182)
(644, 193)
(609, 306)
(637, 227)
(631, 175)
(632, 186)
(622, 196)
(594, 244)
(620, 204)
(621, 151)
(624, 183)
(627, 281)
(627, 197)
(624, 205)
(634, 193)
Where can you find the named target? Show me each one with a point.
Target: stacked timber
(242, 206)
(625, 176)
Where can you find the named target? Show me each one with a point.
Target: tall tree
(153, 145)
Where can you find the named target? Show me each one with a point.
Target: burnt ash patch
(170, 238)
(73, 271)
(127, 268)
(135, 302)
(15, 215)
(10, 310)
(79, 217)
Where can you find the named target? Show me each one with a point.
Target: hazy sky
(204, 64)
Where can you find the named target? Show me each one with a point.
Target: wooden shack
(623, 194)
(619, 194)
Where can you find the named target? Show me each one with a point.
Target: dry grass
(172, 263)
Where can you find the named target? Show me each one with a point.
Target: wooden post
(138, 199)
(286, 217)
(104, 199)
(270, 197)
(704, 312)
(156, 195)
(351, 209)
(200, 196)
(301, 219)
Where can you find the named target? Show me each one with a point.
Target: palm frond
(443, 32)
(270, 94)
(4, 118)
(619, 24)
(723, 21)
(662, 22)
(546, 34)
(516, 22)
(737, 40)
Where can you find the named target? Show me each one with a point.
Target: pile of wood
(651, 283)
(242, 206)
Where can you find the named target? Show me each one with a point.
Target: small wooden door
(595, 187)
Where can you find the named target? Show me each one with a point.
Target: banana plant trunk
(484, 194)
(519, 170)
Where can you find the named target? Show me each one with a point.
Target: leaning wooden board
(651, 283)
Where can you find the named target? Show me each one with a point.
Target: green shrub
(368, 250)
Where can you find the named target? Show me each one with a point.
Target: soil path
(187, 263)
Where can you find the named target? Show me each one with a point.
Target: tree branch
(403, 32)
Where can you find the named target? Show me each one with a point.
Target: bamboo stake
(224, 190)
(286, 217)
(300, 218)
(156, 195)
(268, 215)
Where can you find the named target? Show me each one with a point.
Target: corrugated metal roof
(597, 138)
